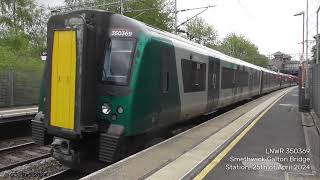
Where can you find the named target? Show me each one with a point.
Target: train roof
(201, 48)
(177, 39)
(285, 74)
(268, 70)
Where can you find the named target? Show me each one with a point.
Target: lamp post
(299, 14)
(302, 56)
(302, 89)
(307, 52)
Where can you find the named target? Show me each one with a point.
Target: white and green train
(112, 84)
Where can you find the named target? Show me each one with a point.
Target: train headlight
(106, 108)
(120, 110)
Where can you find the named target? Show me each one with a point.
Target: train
(113, 85)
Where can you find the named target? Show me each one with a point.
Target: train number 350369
(122, 33)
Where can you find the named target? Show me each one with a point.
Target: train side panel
(192, 80)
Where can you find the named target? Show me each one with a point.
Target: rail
(21, 154)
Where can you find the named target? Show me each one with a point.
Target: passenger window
(242, 77)
(165, 85)
(227, 78)
(165, 75)
(194, 76)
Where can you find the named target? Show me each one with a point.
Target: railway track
(15, 141)
(21, 154)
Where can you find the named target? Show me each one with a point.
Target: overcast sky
(269, 24)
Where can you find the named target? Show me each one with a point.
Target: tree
(22, 33)
(259, 60)
(70, 3)
(16, 14)
(239, 47)
(23, 16)
(201, 32)
(157, 13)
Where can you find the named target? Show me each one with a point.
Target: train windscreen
(117, 61)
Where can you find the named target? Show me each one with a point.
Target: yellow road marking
(222, 154)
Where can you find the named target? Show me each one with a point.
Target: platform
(284, 144)
(18, 111)
(15, 121)
(232, 145)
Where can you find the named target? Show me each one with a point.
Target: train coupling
(64, 151)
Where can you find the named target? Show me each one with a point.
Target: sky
(269, 24)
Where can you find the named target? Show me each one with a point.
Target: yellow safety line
(220, 156)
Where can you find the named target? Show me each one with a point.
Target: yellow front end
(63, 79)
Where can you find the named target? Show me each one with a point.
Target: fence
(19, 88)
(315, 88)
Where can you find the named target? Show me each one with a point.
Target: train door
(213, 83)
(169, 98)
(164, 85)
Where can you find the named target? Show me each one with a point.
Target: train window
(242, 78)
(194, 75)
(165, 75)
(227, 78)
(165, 82)
(117, 61)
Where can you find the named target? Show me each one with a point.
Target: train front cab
(90, 110)
(72, 89)
(66, 119)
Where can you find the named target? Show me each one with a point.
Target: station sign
(43, 55)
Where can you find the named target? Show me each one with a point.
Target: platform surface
(17, 111)
(282, 145)
(185, 155)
